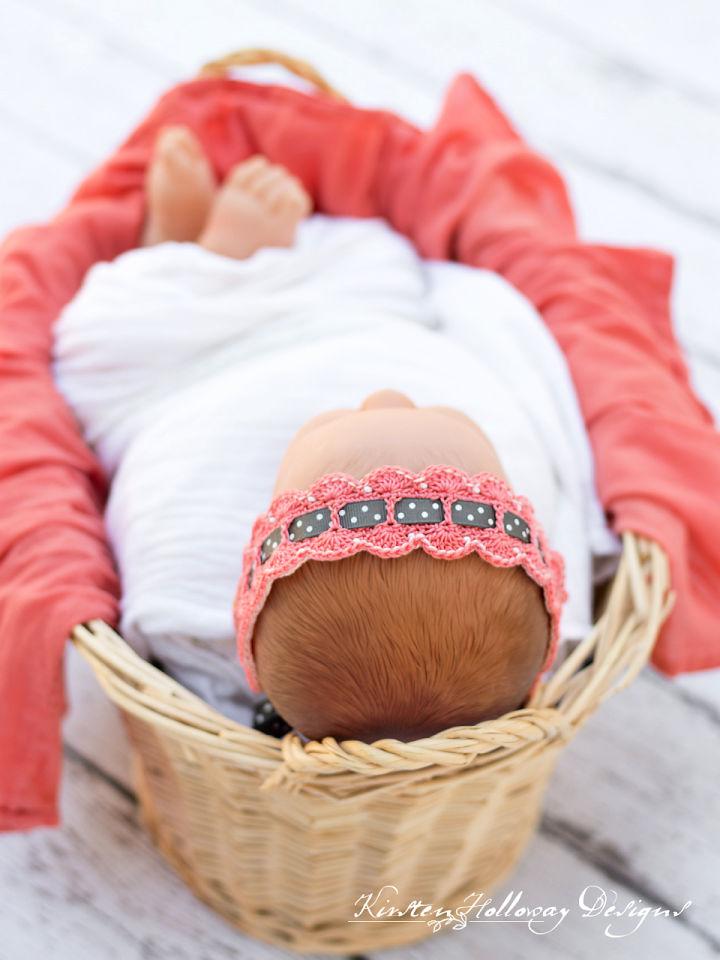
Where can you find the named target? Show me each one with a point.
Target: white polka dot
(353, 519)
(525, 534)
(298, 523)
(508, 527)
(292, 536)
(318, 516)
(436, 506)
(364, 508)
(401, 516)
(424, 514)
(481, 509)
(517, 522)
(491, 522)
(342, 513)
(412, 506)
(458, 506)
(471, 516)
(367, 488)
(377, 516)
(309, 528)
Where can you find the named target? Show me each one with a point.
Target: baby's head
(365, 648)
(392, 640)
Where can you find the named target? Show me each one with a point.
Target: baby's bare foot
(180, 188)
(259, 205)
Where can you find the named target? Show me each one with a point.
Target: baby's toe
(301, 198)
(245, 175)
(177, 142)
(294, 198)
(271, 187)
(271, 184)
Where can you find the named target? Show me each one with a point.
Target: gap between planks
(379, 59)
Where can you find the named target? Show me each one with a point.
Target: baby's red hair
(367, 648)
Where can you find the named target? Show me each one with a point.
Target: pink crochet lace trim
(445, 539)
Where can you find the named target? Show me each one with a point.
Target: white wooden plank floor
(625, 98)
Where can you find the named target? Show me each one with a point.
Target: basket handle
(252, 56)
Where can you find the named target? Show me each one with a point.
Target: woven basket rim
(605, 662)
(255, 56)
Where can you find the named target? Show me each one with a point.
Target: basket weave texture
(282, 838)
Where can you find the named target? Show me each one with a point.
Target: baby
(396, 585)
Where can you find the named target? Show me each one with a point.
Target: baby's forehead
(357, 442)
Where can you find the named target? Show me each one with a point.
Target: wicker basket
(283, 838)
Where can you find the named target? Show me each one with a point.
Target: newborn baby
(454, 621)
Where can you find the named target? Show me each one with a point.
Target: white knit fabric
(190, 373)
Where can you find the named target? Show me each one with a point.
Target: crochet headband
(388, 513)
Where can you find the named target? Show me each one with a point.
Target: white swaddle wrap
(190, 373)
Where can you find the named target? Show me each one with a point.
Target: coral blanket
(469, 189)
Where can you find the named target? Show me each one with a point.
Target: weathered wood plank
(96, 890)
(641, 785)
(35, 180)
(69, 89)
(92, 726)
(605, 116)
(703, 689)
(665, 43)
(552, 876)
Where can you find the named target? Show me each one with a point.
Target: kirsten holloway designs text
(594, 902)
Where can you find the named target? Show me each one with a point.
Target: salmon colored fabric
(469, 189)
